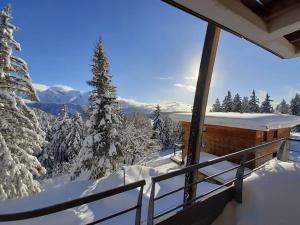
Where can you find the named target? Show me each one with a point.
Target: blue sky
(154, 50)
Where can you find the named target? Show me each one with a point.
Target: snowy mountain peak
(57, 95)
(40, 87)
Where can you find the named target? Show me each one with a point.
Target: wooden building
(226, 133)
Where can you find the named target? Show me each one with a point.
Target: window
(275, 134)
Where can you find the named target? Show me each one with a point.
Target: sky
(154, 50)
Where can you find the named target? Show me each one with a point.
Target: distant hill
(53, 98)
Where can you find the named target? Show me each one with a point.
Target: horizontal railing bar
(114, 215)
(195, 199)
(196, 182)
(70, 204)
(211, 191)
(167, 212)
(251, 160)
(213, 161)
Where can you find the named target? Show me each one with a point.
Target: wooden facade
(223, 140)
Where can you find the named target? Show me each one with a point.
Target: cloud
(187, 87)
(190, 77)
(165, 78)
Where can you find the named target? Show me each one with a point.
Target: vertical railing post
(139, 207)
(238, 184)
(283, 152)
(151, 205)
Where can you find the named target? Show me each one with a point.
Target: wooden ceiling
(271, 24)
(269, 9)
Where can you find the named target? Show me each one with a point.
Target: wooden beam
(199, 108)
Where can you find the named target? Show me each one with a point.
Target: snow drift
(270, 197)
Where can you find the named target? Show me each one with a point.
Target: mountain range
(52, 99)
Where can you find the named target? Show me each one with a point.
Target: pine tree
(216, 107)
(172, 132)
(295, 105)
(20, 135)
(253, 103)
(237, 104)
(227, 103)
(283, 107)
(136, 141)
(75, 137)
(245, 105)
(54, 155)
(158, 126)
(266, 106)
(100, 152)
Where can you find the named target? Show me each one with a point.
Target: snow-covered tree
(227, 103)
(100, 152)
(237, 103)
(136, 141)
(254, 103)
(172, 132)
(245, 105)
(283, 107)
(158, 125)
(45, 119)
(55, 152)
(75, 137)
(266, 106)
(295, 105)
(216, 107)
(20, 135)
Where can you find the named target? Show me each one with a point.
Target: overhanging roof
(253, 121)
(271, 24)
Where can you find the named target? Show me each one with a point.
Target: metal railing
(237, 181)
(84, 200)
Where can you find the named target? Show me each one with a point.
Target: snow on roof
(254, 121)
(218, 168)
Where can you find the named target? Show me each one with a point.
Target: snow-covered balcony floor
(271, 196)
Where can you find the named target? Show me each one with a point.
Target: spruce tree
(245, 105)
(266, 106)
(54, 155)
(20, 135)
(254, 103)
(295, 105)
(158, 126)
(283, 107)
(237, 104)
(216, 107)
(227, 103)
(136, 141)
(100, 152)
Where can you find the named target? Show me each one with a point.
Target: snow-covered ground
(259, 207)
(271, 196)
(218, 168)
(295, 147)
(60, 190)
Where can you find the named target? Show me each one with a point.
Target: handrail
(216, 160)
(77, 202)
(238, 180)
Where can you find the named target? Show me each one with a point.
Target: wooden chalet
(225, 133)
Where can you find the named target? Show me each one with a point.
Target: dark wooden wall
(221, 140)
